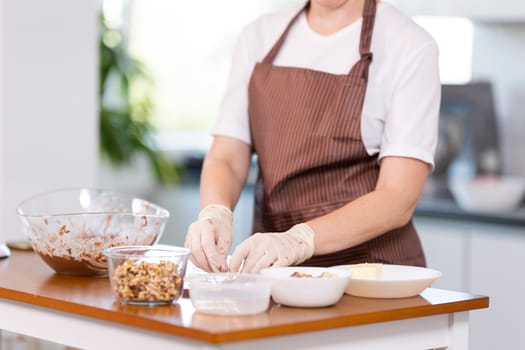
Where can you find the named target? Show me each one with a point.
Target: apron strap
(367, 28)
(270, 57)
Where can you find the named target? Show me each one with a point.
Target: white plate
(398, 281)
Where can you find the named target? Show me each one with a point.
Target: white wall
(48, 100)
(2, 220)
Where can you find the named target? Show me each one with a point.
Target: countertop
(447, 208)
(437, 201)
(24, 278)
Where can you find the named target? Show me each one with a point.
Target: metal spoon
(4, 251)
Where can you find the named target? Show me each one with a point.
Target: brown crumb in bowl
(147, 282)
(63, 230)
(306, 275)
(301, 274)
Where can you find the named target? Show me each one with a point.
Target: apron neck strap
(369, 14)
(367, 28)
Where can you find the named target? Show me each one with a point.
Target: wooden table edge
(138, 321)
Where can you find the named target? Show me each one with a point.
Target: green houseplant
(125, 107)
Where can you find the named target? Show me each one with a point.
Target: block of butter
(368, 271)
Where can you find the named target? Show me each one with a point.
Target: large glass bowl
(70, 228)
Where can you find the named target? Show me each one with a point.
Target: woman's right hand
(210, 237)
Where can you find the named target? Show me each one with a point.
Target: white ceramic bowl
(307, 291)
(229, 293)
(397, 281)
(488, 194)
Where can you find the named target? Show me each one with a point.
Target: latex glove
(263, 250)
(209, 238)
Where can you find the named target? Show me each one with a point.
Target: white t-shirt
(401, 107)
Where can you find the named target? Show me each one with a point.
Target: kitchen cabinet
(494, 11)
(497, 261)
(445, 246)
(486, 259)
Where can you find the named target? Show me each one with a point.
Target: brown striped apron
(306, 131)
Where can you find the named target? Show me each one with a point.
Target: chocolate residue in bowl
(70, 266)
(83, 255)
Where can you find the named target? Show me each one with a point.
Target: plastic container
(229, 293)
(147, 275)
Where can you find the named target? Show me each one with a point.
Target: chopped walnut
(63, 230)
(325, 274)
(141, 281)
(300, 274)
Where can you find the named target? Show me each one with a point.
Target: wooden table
(82, 312)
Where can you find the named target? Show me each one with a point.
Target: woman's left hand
(263, 250)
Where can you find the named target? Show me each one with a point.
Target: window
(454, 37)
(187, 46)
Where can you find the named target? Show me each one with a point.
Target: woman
(340, 102)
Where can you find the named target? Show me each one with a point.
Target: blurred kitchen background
(145, 129)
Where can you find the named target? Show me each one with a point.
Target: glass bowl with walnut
(147, 275)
